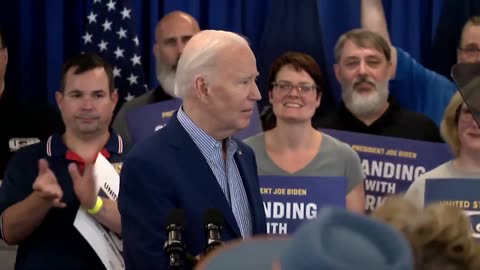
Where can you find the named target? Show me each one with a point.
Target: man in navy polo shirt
(46, 183)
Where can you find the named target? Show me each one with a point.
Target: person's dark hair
(85, 62)
(299, 61)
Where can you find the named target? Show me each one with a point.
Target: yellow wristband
(97, 207)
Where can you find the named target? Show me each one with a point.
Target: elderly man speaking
(194, 163)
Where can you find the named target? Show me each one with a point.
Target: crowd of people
(195, 162)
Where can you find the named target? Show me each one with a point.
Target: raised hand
(84, 185)
(46, 185)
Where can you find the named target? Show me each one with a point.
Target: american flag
(110, 33)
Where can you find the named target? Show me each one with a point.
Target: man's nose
(255, 95)
(87, 103)
(180, 47)
(362, 68)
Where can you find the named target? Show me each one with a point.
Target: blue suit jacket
(165, 171)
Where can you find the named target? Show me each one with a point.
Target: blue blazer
(165, 171)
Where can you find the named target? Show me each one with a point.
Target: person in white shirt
(462, 133)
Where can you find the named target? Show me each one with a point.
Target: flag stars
(125, 13)
(92, 17)
(102, 45)
(129, 97)
(111, 5)
(87, 38)
(132, 79)
(135, 60)
(108, 33)
(135, 40)
(122, 33)
(118, 52)
(116, 72)
(107, 25)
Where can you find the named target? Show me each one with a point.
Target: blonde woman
(462, 134)
(440, 235)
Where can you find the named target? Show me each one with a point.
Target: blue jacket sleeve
(142, 202)
(420, 89)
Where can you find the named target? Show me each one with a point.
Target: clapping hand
(84, 185)
(46, 185)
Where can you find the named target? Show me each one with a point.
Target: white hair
(165, 76)
(198, 57)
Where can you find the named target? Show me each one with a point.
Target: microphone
(174, 248)
(213, 221)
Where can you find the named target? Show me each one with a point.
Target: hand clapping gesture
(46, 185)
(84, 185)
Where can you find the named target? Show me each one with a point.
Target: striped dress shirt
(225, 171)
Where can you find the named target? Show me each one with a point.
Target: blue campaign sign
(148, 119)
(391, 164)
(291, 200)
(144, 121)
(461, 193)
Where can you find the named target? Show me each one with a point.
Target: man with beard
(172, 32)
(363, 68)
(422, 89)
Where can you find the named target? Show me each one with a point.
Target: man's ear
(391, 71)
(114, 96)
(59, 98)
(201, 90)
(336, 69)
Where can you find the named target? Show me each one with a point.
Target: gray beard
(166, 78)
(365, 105)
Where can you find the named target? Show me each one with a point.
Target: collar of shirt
(387, 117)
(206, 143)
(56, 147)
